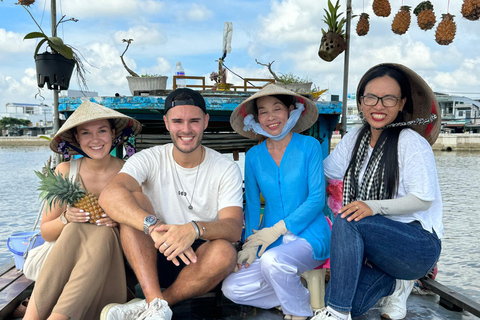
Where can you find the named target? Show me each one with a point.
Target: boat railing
(247, 83)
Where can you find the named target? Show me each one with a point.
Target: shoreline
(445, 142)
(23, 141)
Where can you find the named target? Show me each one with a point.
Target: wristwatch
(149, 221)
(63, 218)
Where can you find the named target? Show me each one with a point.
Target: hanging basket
(331, 46)
(54, 69)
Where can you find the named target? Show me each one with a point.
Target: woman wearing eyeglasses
(391, 220)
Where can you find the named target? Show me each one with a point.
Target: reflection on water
(459, 173)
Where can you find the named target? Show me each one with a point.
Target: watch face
(149, 220)
(63, 219)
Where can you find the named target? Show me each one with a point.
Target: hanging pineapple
(59, 189)
(425, 15)
(381, 8)
(402, 19)
(471, 9)
(446, 30)
(363, 25)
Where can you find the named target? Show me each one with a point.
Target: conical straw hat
(306, 120)
(90, 111)
(424, 103)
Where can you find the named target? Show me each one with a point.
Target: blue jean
(367, 256)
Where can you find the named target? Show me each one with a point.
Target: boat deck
(419, 307)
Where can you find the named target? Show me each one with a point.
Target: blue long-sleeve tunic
(293, 191)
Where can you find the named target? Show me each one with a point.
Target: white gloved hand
(246, 257)
(265, 237)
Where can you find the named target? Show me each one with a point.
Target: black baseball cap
(190, 97)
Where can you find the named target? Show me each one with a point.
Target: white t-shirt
(417, 173)
(218, 185)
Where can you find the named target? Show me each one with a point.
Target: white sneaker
(158, 309)
(127, 311)
(324, 314)
(394, 306)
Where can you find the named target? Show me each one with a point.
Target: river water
(459, 173)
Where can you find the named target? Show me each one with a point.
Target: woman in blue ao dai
(292, 235)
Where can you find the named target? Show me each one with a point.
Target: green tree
(13, 123)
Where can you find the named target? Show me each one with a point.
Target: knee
(223, 255)
(228, 288)
(271, 263)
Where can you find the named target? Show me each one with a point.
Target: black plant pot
(55, 70)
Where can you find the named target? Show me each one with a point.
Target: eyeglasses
(371, 100)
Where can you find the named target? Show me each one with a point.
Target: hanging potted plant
(144, 83)
(55, 66)
(333, 41)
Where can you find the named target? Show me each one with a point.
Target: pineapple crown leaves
(58, 189)
(425, 5)
(366, 15)
(332, 19)
(405, 8)
(447, 16)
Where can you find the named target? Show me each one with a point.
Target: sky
(287, 32)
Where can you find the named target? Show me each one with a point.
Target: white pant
(274, 279)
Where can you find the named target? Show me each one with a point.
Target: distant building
(459, 114)
(40, 116)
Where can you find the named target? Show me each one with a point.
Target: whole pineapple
(446, 30)
(363, 25)
(402, 19)
(59, 189)
(471, 9)
(381, 8)
(425, 15)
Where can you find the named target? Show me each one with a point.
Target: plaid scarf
(372, 187)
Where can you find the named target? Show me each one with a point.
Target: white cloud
(291, 21)
(197, 12)
(12, 42)
(141, 35)
(23, 90)
(108, 9)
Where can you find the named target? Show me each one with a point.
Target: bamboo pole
(345, 69)
(56, 118)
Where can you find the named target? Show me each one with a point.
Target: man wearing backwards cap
(190, 210)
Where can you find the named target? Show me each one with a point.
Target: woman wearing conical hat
(85, 269)
(293, 235)
(388, 231)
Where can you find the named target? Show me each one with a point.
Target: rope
(223, 64)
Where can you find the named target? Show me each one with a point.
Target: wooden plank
(6, 267)
(452, 296)
(15, 287)
(7, 278)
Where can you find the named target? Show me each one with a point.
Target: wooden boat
(148, 109)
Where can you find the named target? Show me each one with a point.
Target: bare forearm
(229, 229)
(120, 205)
(51, 229)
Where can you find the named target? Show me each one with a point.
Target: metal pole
(56, 118)
(345, 69)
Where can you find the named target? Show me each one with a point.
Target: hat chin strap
(252, 125)
(418, 121)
